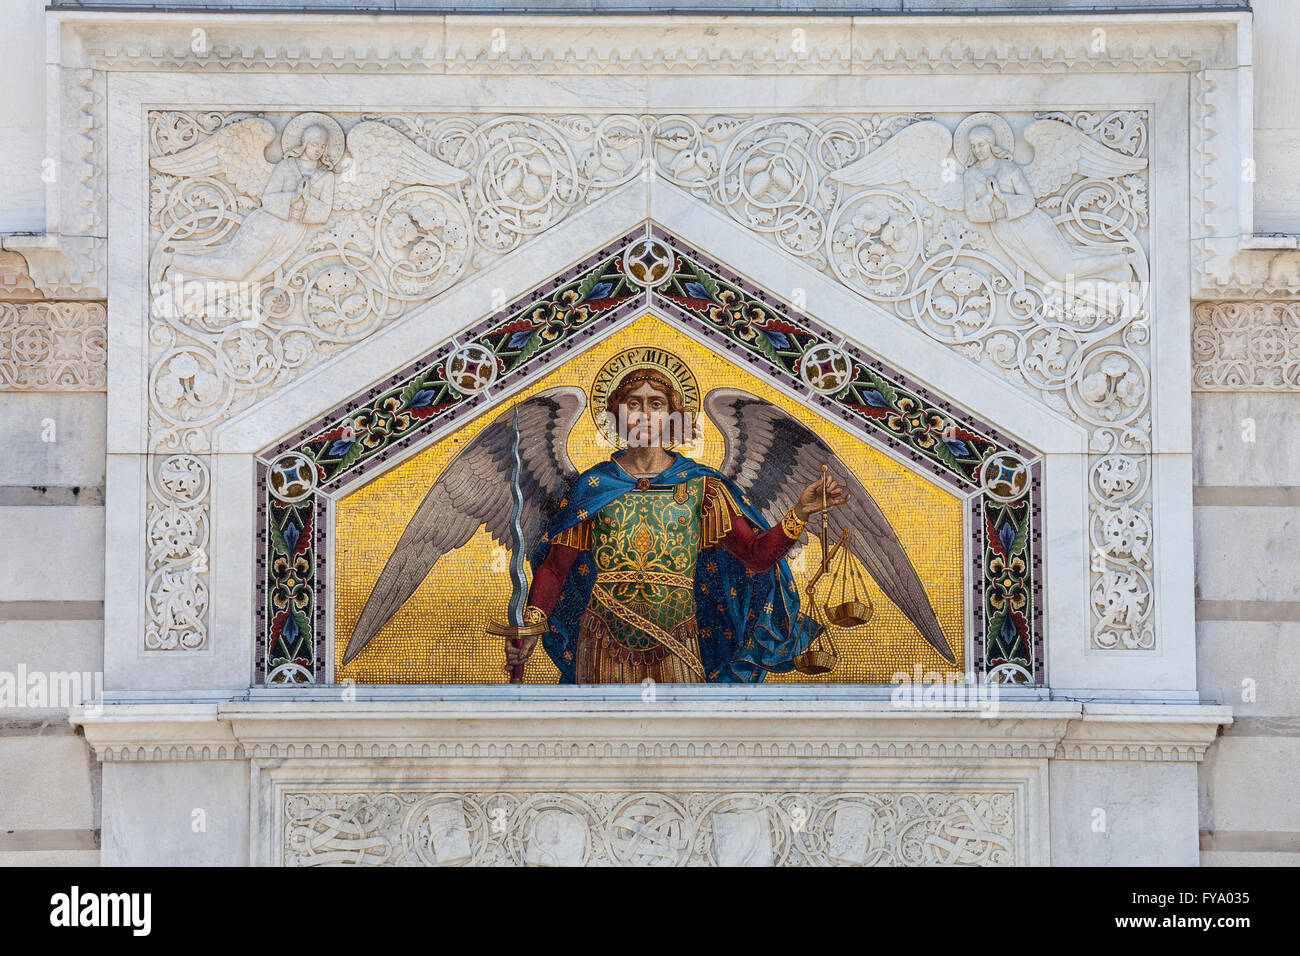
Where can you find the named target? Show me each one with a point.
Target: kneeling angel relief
(642, 562)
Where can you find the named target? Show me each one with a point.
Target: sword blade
(518, 580)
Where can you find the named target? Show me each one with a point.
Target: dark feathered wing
(474, 490)
(773, 458)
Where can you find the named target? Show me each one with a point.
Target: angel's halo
(619, 366)
(1006, 139)
(294, 129)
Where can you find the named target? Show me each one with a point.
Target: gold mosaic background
(438, 635)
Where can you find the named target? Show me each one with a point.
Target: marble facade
(1139, 139)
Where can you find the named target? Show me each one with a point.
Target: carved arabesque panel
(1246, 346)
(52, 346)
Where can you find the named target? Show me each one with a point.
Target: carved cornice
(646, 45)
(676, 733)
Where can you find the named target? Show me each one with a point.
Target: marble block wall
(1247, 506)
(52, 430)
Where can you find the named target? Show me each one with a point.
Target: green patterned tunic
(645, 545)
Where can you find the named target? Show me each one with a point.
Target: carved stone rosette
(984, 287)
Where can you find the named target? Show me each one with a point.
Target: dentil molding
(803, 733)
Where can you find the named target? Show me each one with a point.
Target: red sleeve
(757, 551)
(549, 578)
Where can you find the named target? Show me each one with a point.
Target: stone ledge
(671, 730)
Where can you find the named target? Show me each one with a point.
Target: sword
(519, 584)
(512, 628)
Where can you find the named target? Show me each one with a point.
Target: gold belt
(645, 577)
(615, 607)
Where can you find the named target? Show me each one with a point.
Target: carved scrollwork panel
(280, 240)
(881, 828)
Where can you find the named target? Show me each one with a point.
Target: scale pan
(849, 614)
(815, 661)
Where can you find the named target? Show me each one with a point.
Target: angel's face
(645, 415)
(981, 145)
(314, 141)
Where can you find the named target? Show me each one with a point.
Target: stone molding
(673, 732)
(647, 44)
(60, 267)
(69, 260)
(16, 283)
(1258, 267)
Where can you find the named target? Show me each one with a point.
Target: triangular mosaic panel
(1000, 478)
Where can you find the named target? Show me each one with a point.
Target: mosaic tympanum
(647, 504)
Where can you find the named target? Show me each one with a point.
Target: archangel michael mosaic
(646, 507)
(652, 565)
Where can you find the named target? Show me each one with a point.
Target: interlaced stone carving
(52, 346)
(1247, 346)
(177, 538)
(878, 828)
(279, 240)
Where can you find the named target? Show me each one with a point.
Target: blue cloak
(750, 622)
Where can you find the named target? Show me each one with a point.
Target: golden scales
(845, 604)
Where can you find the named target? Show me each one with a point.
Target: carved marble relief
(1246, 346)
(52, 346)
(266, 261)
(885, 828)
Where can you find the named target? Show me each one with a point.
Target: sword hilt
(515, 634)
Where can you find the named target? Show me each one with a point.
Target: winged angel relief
(971, 171)
(321, 174)
(649, 565)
